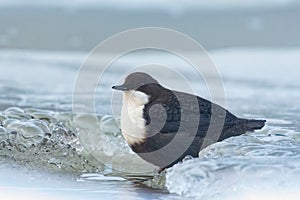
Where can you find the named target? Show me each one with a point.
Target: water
(169, 5)
(46, 149)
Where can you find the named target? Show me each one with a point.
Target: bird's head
(141, 87)
(137, 81)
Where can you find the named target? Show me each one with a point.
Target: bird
(153, 117)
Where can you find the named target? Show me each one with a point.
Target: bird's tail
(254, 124)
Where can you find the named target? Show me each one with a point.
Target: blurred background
(81, 24)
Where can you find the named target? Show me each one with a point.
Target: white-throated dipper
(152, 115)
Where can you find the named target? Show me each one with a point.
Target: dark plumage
(167, 112)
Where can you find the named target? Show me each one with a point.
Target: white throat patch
(133, 124)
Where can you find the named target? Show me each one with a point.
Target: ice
(99, 177)
(67, 142)
(231, 178)
(39, 140)
(239, 166)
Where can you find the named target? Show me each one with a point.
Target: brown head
(136, 81)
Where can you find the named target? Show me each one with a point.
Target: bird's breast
(133, 124)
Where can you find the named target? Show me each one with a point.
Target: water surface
(47, 150)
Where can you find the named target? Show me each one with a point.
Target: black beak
(120, 87)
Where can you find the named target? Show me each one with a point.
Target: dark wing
(182, 112)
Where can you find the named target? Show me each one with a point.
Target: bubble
(28, 133)
(188, 157)
(108, 125)
(86, 121)
(3, 134)
(65, 117)
(9, 121)
(44, 115)
(41, 124)
(56, 162)
(2, 118)
(15, 113)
